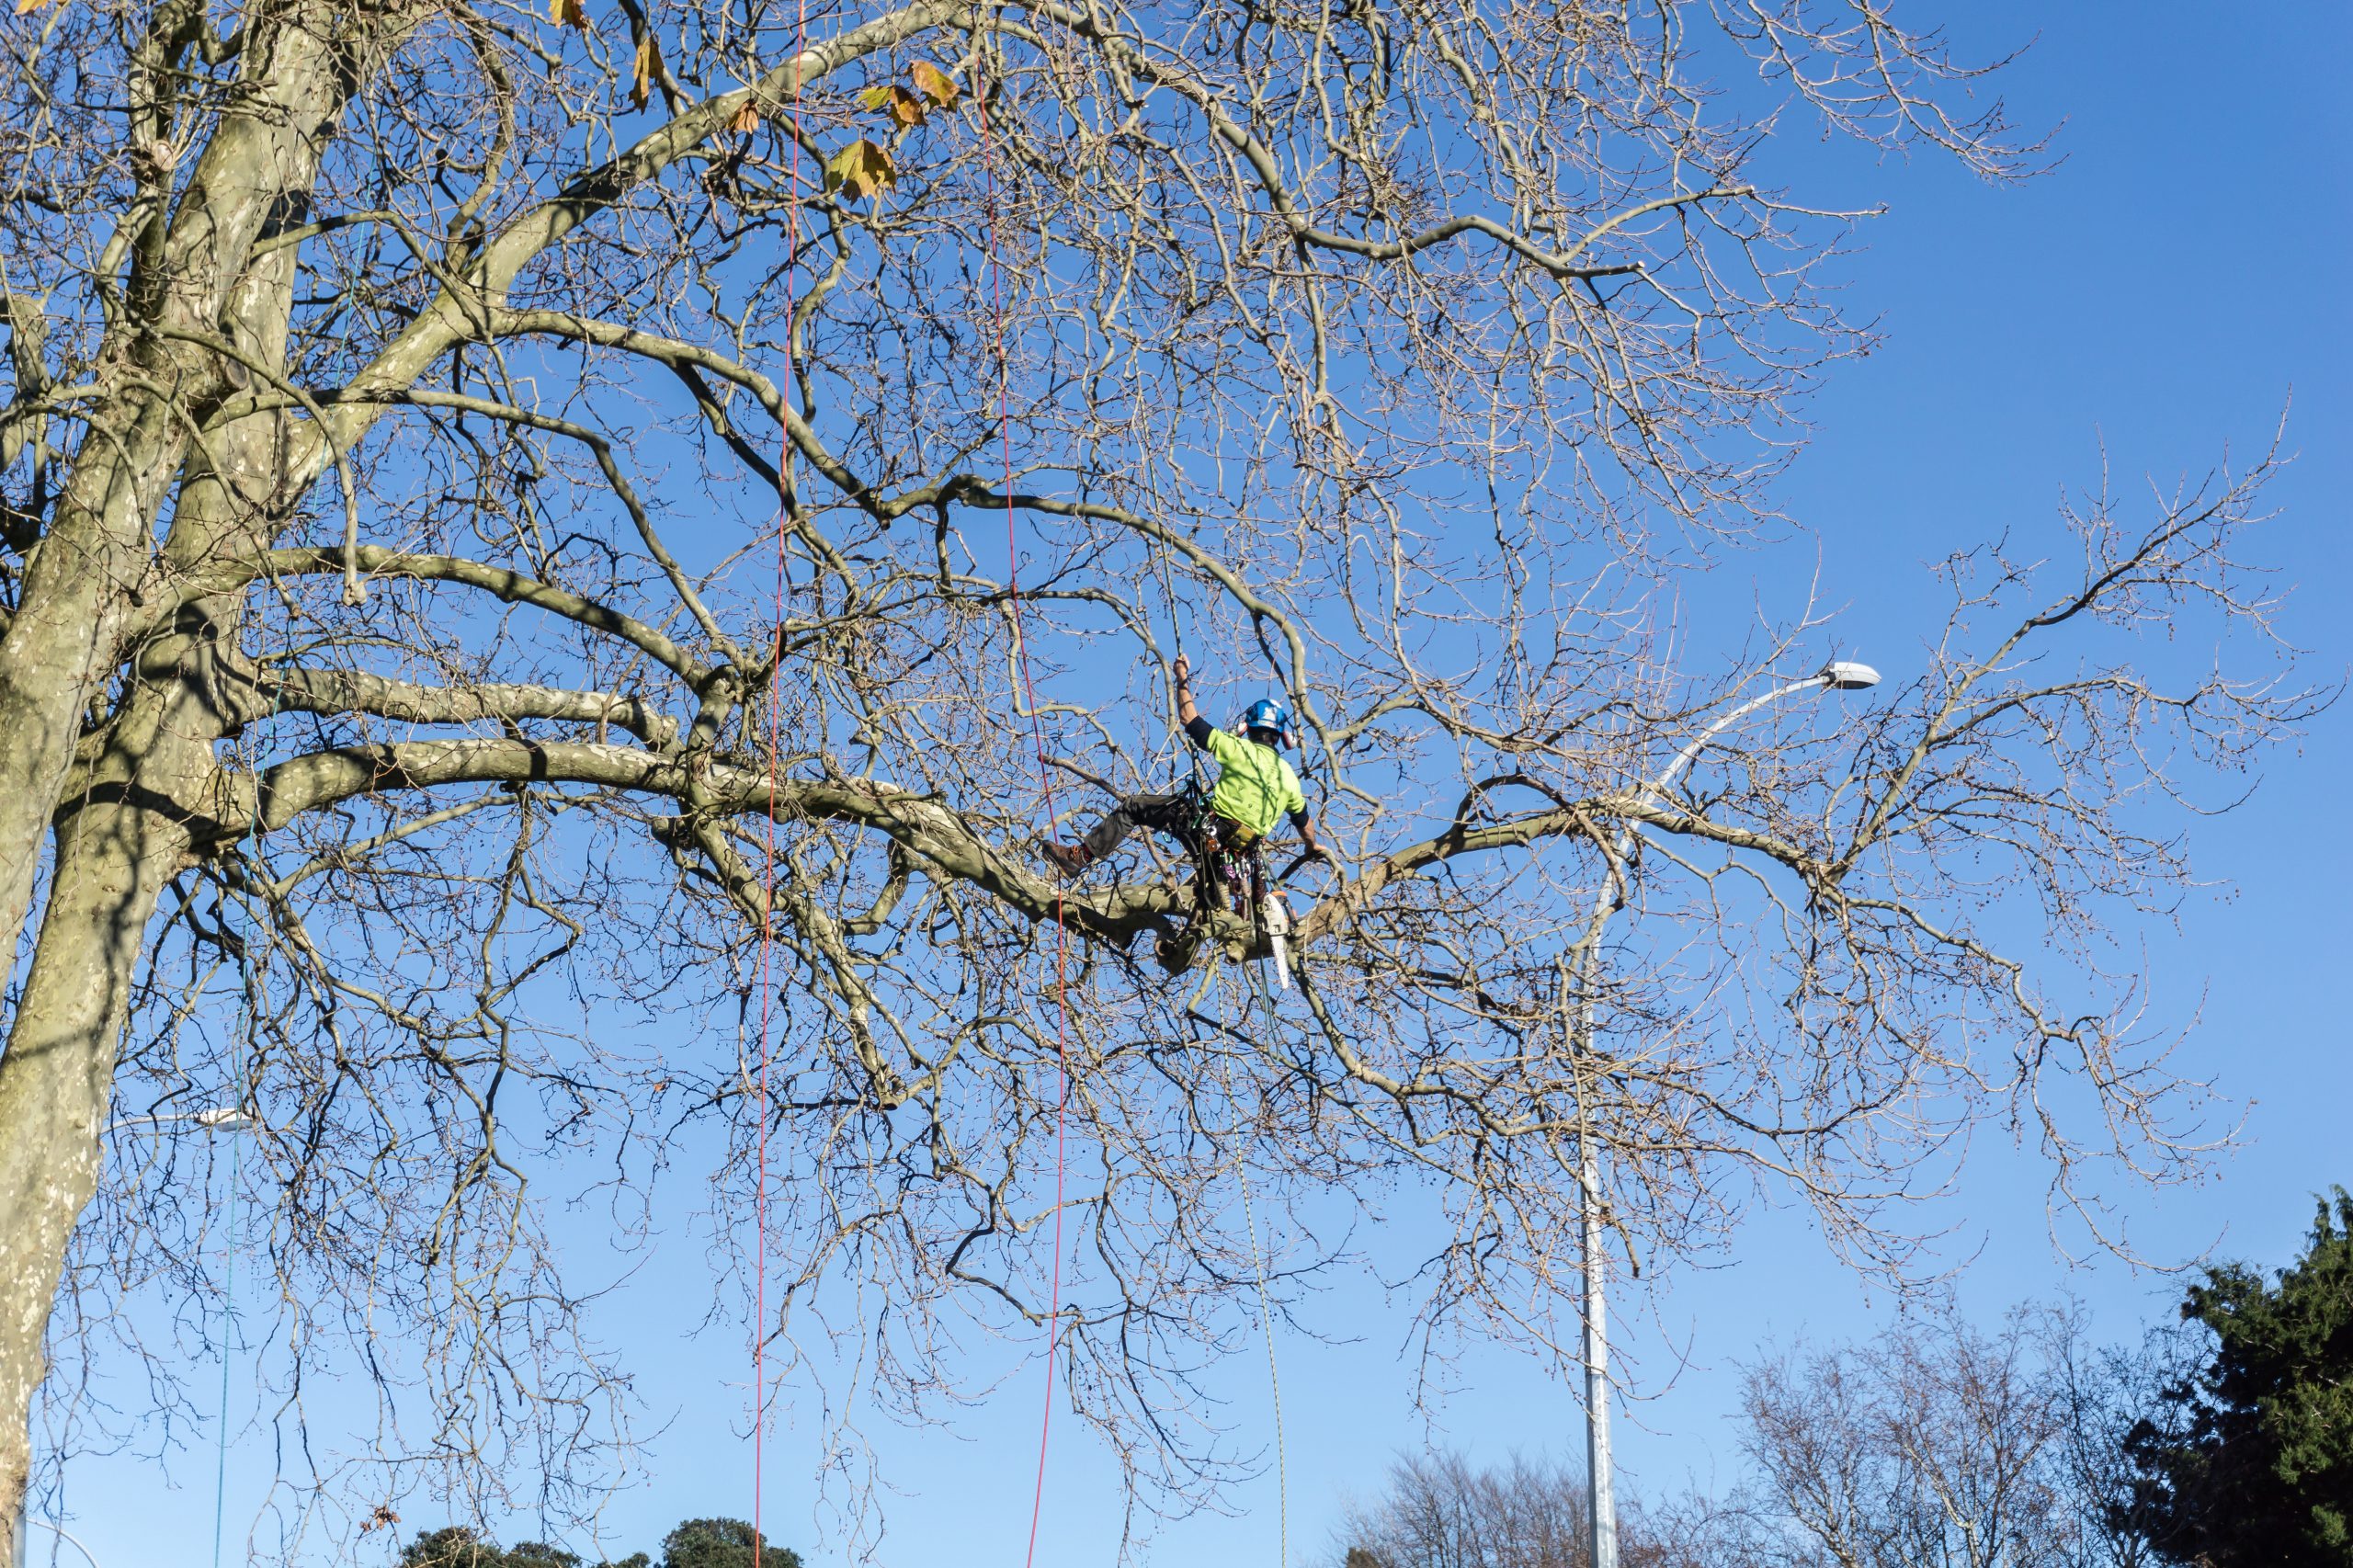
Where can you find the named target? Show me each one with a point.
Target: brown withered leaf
(649, 62)
(747, 118)
(935, 83)
(568, 13)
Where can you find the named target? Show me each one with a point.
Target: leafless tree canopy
(1940, 1445)
(1935, 1444)
(501, 509)
(1441, 1511)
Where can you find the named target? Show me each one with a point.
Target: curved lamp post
(1837, 676)
(217, 1119)
(64, 1535)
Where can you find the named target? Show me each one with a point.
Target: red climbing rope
(767, 865)
(1046, 783)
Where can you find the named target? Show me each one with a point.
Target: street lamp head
(212, 1119)
(1844, 675)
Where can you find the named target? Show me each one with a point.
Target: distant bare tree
(2107, 1392)
(1940, 1445)
(506, 509)
(1441, 1511)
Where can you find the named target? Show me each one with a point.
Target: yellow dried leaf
(747, 118)
(860, 170)
(935, 83)
(27, 7)
(568, 13)
(874, 97)
(649, 61)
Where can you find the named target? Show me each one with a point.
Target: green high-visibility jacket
(1255, 786)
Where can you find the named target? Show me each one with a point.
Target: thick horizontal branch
(701, 784)
(512, 587)
(940, 836)
(348, 691)
(1519, 833)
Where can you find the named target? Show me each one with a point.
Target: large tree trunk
(118, 846)
(56, 1075)
(131, 830)
(86, 579)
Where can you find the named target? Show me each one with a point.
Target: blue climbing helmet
(1268, 714)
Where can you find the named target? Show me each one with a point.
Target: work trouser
(1166, 813)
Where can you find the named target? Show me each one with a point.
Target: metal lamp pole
(217, 1119)
(1838, 676)
(67, 1535)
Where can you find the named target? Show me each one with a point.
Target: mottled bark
(113, 857)
(92, 589)
(86, 583)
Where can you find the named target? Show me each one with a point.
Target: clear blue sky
(2166, 291)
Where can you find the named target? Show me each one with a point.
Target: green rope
(1266, 1316)
(228, 1328)
(253, 938)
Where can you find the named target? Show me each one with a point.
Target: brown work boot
(1070, 859)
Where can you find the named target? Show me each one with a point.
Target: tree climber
(1255, 787)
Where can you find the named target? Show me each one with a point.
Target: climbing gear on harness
(1268, 714)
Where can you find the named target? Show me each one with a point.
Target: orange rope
(1046, 783)
(768, 869)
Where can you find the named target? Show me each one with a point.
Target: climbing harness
(1229, 878)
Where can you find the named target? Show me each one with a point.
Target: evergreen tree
(2250, 1461)
(696, 1543)
(720, 1543)
(458, 1547)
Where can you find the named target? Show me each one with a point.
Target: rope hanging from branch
(785, 499)
(256, 939)
(1259, 1274)
(1045, 780)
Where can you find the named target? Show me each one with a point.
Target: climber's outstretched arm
(1187, 713)
(1196, 728)
(1304, 822)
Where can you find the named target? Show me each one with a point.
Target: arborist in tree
(1255, 787)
